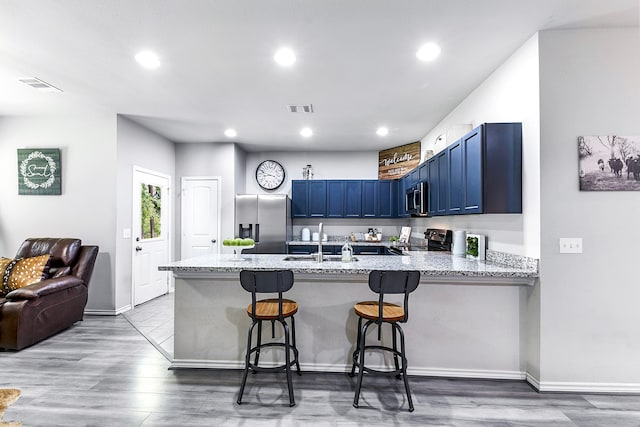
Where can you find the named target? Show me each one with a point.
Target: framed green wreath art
(39, 171)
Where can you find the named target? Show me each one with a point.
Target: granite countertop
(434, 264)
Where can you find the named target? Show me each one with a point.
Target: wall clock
(270, 174)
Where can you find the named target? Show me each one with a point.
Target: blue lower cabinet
(368, 250)
(313, 249)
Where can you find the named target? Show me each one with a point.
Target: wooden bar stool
(379, 312)
(273, 309)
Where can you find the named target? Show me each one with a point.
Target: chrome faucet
(320, 242)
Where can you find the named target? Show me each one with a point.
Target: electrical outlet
(571, 245)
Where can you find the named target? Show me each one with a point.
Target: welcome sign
(39, 171)
(396, 162)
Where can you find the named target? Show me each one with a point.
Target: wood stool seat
(268, 309)
(370, 310)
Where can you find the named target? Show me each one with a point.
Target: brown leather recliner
(35, 312)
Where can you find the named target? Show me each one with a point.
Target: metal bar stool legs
(289, 347)
(378, 313)
(271, 309)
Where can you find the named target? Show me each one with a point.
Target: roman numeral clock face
(270, 174)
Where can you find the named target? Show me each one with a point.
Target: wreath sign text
(29, 170)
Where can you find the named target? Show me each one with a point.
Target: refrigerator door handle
(257, 238)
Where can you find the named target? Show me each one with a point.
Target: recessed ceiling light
(231, 133)
(148, 59)
(285, 57)
(306, 132)
(428, 52)
(382, 131)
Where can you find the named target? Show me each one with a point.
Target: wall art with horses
(609, 163)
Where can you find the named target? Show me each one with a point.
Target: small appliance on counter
(305, 235)
(438, 239)
(459, 247)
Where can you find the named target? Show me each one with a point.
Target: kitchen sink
(325, 258)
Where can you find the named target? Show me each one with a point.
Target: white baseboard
(325, 367)
(92, 312)
(583, 387)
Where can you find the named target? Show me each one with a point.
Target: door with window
(200, 216)
(151, 237)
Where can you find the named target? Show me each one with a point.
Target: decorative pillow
(18, 273)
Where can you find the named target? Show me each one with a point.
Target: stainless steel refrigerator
(266, 218)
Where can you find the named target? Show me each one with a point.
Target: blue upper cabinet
(439, 183)
(335, 199)
(369, 198)
(472, 182)
(317, 198)
(387, 191)
(353, 199)
(423, 172)
(479, 173)
(308, 199)
(343, 199)
(442, 160)
(456, 175)
(299, 197)
(502, 167)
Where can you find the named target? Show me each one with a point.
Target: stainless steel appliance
(438, 239)
(417, 199)
(265, 218)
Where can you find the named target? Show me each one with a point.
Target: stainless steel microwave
(417, 200)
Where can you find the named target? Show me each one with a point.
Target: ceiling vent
(39, 84)
(308, 108)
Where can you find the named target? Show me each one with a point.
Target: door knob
(213, 240)
(138, 248)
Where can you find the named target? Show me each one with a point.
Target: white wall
(205, 159)
(137, 146)
(510, 94)
(590, 85)
(339, 165)
(86, 208)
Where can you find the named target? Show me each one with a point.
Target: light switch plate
(571, 245)
(126, 233)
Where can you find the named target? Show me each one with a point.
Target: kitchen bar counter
(432, 265)
(466, 319)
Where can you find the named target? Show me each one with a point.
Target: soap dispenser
(347, 252)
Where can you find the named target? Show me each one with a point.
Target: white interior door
(200, 216)
(151, 237)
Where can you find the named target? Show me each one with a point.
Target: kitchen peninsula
(465, 319)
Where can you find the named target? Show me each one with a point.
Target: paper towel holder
(459, 244)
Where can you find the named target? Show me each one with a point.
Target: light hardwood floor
(103, 372)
